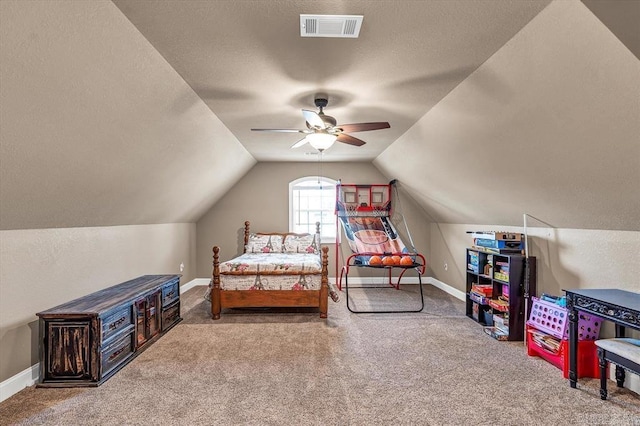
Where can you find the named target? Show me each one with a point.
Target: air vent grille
(340, 26)
(310, 26)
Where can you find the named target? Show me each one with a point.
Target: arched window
(313, 199)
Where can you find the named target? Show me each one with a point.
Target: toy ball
(387, 261)
(406, 261)
(396, 260)
(375, 260)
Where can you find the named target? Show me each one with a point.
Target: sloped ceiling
(247, 61)
(622, 17)
(135, 112)
(97, 128)
(558, 138)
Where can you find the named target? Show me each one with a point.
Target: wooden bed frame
(269, 298)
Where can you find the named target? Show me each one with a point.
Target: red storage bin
(554, 320)
(587, 355)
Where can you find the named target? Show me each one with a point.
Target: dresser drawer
(117, 352)
(170, 293)
(170, 316)
(114, 322)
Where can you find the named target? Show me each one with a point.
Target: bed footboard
(268, 298)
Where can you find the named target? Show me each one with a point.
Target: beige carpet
(276, 367)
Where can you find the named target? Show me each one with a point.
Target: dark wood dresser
(85, 341)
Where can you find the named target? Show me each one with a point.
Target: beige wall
(565, 258)
(42, 268)
(262, 197)
(97, 128)
(547, 126)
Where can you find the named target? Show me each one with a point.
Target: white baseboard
(29, 377)
(447, 288)
(20, 381)
(366, 281)
(373, 281)
(376, 281)
(193, 283)
(362, 281)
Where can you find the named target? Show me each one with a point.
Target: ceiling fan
(322, 130)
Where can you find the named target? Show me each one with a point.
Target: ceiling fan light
(321, 141)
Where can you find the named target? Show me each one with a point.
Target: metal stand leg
(346, 288)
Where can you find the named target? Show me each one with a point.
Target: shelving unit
(495, 292)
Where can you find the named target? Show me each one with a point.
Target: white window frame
(327, 230)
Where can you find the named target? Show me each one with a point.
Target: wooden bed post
(215, 288)
(324, 284)
(247, 224)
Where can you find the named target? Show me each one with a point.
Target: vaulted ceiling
(131, 112)
(247, 61)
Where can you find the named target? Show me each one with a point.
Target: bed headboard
(283, 235)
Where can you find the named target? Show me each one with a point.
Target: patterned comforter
(272, 271)
(272, 263)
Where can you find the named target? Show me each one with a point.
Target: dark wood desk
(619, 306)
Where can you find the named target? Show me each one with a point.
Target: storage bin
(587, 356)
(487, 316)
(554, 320)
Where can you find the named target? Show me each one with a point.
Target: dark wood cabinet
(85, 341)
(502, 308)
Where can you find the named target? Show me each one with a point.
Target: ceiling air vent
(340, 26)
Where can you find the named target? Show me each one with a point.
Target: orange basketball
(375, 260)
(387, 261)
(396, 260)
(406, 261)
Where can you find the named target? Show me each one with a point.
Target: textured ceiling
(248, 63)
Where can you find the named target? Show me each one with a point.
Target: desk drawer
(117, 321)
(170, 293)
(170, 316)
(117, 352)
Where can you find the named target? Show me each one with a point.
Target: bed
(275, 270)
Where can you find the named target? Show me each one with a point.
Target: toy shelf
(500, 310)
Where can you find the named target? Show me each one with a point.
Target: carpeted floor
(278, 367)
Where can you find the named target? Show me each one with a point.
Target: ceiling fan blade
(313, 119)
(300, 143)
(281, 130)
(343, 137)
(363, 127)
